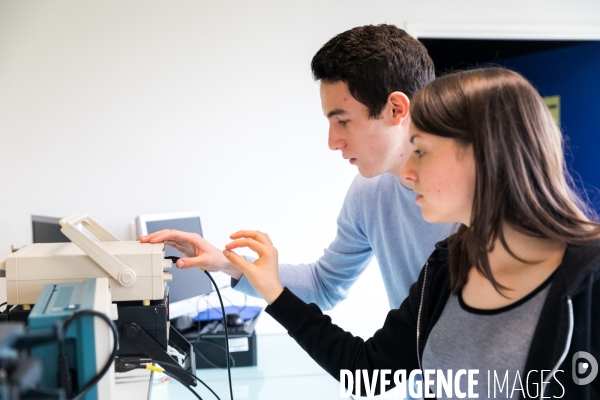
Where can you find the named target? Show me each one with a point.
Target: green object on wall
(553, 103)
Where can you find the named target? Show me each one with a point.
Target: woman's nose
(408, 172)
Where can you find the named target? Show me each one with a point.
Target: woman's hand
(198, 252)
(263, 274)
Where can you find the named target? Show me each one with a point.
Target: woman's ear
(397, 108)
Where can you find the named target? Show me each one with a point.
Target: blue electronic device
(87, 340)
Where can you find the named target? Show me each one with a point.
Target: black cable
(112, 356)
(174, 260)
(191, 375)
(239, 309)
(186, 386)
(127, 364)
(198, 352)
(226, 334)
(206, 298)
(206, 360)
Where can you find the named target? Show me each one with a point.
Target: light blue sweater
(379, 217)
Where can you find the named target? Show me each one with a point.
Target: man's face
(376, 145)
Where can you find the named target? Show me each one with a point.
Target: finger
(150, 236)
(238, 261)
(256, 235)
(241, 234)
(156, 237)
(179, 247)
(180, 236)
(252, 244)
(182, 247)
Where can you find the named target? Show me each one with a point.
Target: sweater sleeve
(327, 281)
(393, 347)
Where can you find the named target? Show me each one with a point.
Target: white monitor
(187, 284)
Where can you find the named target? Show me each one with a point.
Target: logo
(581, 368)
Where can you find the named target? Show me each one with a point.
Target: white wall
(116, 109)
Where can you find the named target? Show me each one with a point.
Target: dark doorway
(459, 54)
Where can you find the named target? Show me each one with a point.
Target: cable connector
(125, 364)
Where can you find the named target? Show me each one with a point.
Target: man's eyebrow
(412, 138)
(337, 111)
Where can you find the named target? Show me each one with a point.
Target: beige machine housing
(136, 271)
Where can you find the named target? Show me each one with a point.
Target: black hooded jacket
(569, 323)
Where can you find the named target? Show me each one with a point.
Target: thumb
(188, 262)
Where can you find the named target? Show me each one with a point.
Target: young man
(368, 75)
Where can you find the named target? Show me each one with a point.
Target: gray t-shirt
(495, 342)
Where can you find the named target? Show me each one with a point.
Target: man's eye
(419, 153)
(342, 122)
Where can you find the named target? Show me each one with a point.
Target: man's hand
(198, 252)
(263, 274)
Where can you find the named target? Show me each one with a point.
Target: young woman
(515, 293)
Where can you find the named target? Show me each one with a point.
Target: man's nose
(335, 140)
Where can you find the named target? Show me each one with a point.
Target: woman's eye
(342, 122)
(419, 153)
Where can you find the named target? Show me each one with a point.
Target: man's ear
(397, 108)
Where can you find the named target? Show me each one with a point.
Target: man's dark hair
(374, 61)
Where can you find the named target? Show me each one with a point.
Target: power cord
(64, 374)
(206, 298)
(174, 260)
(158, 369)
(130, 363)
(209, 362)
(225, 326)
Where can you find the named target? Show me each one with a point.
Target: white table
(284, 371)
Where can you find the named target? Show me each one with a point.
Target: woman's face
(443, 174)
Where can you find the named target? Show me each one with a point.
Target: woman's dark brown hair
(521, 177)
